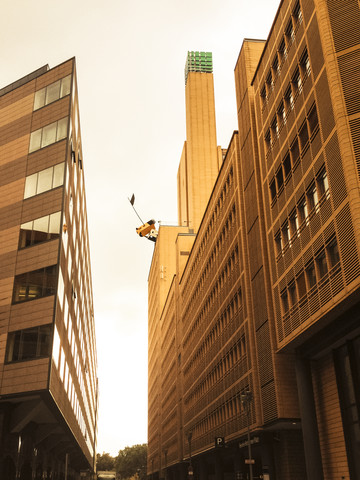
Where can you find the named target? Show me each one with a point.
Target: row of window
(223, 321)
(282, 52)
(35, 284)
(235, 304)
(231, 408)
(207, 269)
(314, 271)
(299, 217)
(290, 161)
(49, 134)
(44, 180)
(52, 92)
(236, 354)
(29, 343)
(224, 275)
(40, 230)
(217, 214)
(287, 103)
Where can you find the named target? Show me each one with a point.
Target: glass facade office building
(48, 365)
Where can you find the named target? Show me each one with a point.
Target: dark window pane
(50, 280)
(304, 136)
(310, 274)
(313, 121)
(13, 346)
(285, 301)
(292, 294)
(273, 190)
(334, 254)
(287, 165)
(279, 178)
(37, 283)
(295, 152)
(321, 263)
(28, 344)
(301, 285)
(44, 340)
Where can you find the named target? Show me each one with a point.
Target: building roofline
(267, 39)
(31, 76)
(23, 80)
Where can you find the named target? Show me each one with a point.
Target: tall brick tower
(199, 164)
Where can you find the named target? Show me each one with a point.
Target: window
(285, 301)
(313, 121)
(40, 230)
(334, 255)
(282, 50)
(301, 284)
(269, 83)
(289, 99)
(49, 134)
(294, 151)
(44, 180)
(268, 140)
(294, 223)
(323, 184)
(305, 64)
(275, 67)
(292, 294)
(279, 178)
(272, 190)
(312, 197)
(29, 343)
(35, 284)
(281, 113)
(297, 14)
(321, 264)
(289, 33)
(275, 129)
(278, 243)
(311, 275)
(303, 136)
(52, 92)
(303, 211)
(296, 81)
(287, 165)
(286, 232)
(263, 96)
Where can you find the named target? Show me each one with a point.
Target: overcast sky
(130, 59)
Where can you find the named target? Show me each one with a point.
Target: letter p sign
(219, 442)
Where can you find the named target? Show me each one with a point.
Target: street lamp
(190, 469)
(165, 455)
(246, 399)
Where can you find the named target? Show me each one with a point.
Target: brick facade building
(253, 312)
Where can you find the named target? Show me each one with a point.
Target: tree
(104, 462)
(131, 461)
